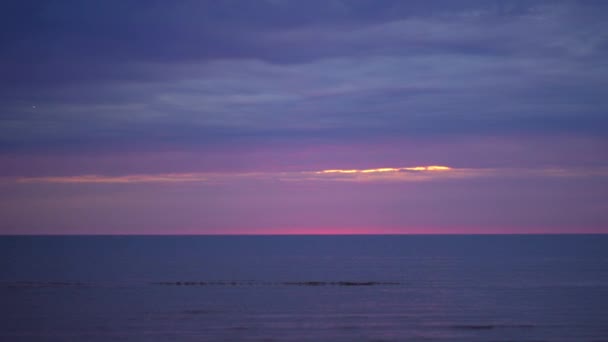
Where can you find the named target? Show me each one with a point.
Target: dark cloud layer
(194, 73)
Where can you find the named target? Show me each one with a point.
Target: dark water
(304, 288)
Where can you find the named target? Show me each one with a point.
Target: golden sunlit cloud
(389, 169)
(338, 171)
(361, 175)
(386, 169)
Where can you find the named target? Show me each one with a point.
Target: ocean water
(304, 288)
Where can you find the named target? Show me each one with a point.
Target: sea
(304, 288)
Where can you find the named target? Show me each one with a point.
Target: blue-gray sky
(216, 116)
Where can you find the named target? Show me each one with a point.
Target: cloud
(386, 169)
(382, 174)
(202, 72)
(126, 179)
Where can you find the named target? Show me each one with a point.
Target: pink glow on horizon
(348, 231)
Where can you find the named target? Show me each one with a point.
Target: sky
(303, 117)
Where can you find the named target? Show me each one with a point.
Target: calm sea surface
(304, 288)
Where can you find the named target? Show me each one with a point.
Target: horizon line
(297, 234)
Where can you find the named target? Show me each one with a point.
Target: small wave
(473, 327)
(199, 312)
(338, 283)
(224, 283)
(41, 284)
(489, 326)
(285, 283)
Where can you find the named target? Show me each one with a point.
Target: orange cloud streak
(389, 169)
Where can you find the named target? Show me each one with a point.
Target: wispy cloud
(379, 68)
(139, 178)
(382, 174)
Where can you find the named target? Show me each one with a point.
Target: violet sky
(308, 116)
